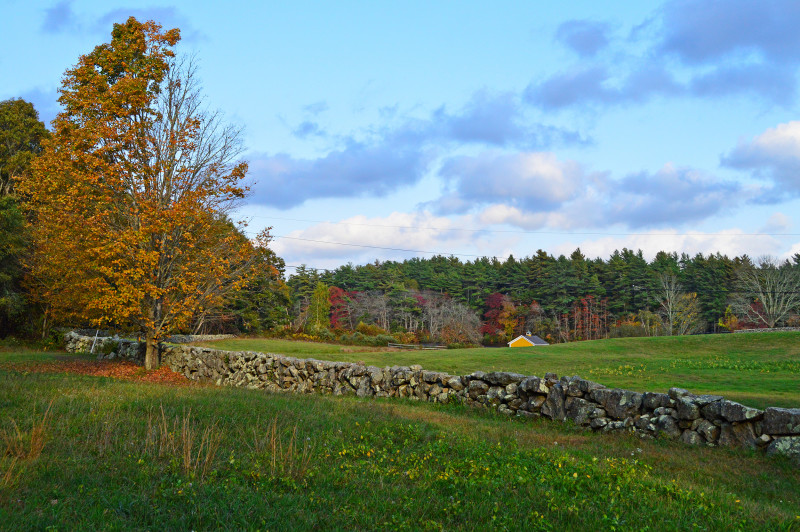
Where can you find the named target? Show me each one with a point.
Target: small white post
(96, 332)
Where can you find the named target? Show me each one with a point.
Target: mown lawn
(125, 455)
(760, 369)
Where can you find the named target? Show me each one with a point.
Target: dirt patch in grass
(363, 349)
(116, 369)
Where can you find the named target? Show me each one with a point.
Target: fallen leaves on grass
(117, 369)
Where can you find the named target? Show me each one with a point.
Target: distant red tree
(340, 311)
(492, 323)
(747, 322)
(503, 318)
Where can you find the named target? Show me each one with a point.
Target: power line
(439, 253)
(381, 247)
(404, 250)
(309, 267)
(516, 231)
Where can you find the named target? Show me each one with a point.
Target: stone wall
(105, 347)
(678, 414)
(111, 347)
(774, 329)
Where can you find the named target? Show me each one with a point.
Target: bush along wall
(678, 414)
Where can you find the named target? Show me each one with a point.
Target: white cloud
(775, 154)
(794, 250)
(777, 223)
(731, 242)
(670, 196)
(781, 141)
(533, 181)
(420, 231)
(571, 217)
(533, 190)
(506, 214)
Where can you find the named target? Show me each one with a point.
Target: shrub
(406, 338)
(369, 330)
(325, 335)
(461, 345)
(627, 330)
(383, 340)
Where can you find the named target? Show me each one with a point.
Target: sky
(381, 130)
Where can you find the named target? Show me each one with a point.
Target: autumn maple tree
(129, 199)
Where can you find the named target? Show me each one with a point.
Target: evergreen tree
(302, 284)
(21, 136)
(12, 245)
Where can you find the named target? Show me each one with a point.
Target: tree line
(559, 298)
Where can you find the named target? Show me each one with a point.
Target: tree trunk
(151, 353)
(44, 326)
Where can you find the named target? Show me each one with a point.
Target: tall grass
(286, 460)
(180, 437)
(26, 445)
(21, 446)
(9, 472)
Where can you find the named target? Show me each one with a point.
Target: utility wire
(516, 231)
(441, 253)
(380, 247)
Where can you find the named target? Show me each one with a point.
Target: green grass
(291, 347)
(112, 460)
(14, 350)
(756, 369)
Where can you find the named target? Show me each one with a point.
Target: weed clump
(179, 438)
(21, 446)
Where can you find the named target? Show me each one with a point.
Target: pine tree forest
(560, 299)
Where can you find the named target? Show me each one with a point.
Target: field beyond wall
(759, 369)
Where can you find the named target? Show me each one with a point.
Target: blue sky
(468, 129)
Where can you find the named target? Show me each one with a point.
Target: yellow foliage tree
(129, 199)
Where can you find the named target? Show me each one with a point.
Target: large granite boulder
(619, 404)
(786, 445)
(781, 421)
(579, 410)
(553, 406)
(730, 411)
(502, 378)
(534, 385)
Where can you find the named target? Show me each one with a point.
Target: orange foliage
(369, 329)
(117, 369)
(128, 198)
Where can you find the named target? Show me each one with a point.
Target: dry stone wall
(774, 329)
(106, 347)
(111, 347)
(678, 414)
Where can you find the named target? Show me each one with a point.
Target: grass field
(125, 455)
(759, 370)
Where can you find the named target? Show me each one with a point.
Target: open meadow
(378, 172)
(85, 452)
(759, 370)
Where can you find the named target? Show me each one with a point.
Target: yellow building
(526, 340)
